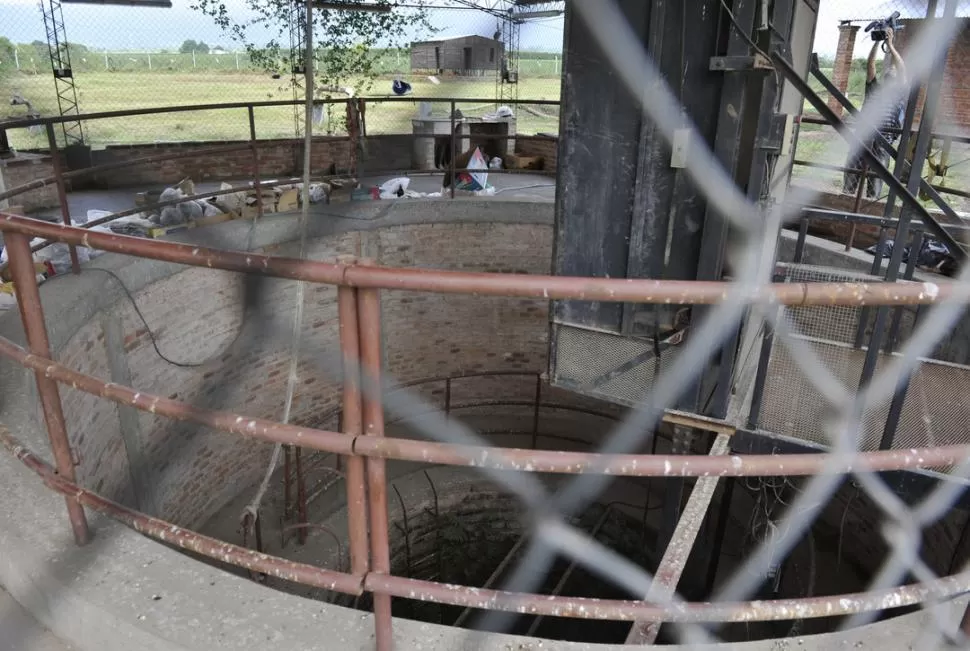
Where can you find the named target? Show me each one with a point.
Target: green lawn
(111, 91)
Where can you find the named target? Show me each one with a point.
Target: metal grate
(823, 322)
(934, 413)
(582, 357)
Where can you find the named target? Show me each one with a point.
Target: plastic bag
(395, 188)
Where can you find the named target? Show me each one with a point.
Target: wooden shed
(462, 55)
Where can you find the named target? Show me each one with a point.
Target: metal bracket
(741, 63)
(774, 139)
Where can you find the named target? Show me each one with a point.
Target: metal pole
(454, 153)
(32, 315)
(255, 150)
(287, 481)
(915, 248)
(301, 502)
(369, 323)
(535, 413)
(800, 242)
(61, 192)
(761, 377)
(679, 547)
(722, 520)
(447, 397)
(863, 179)
(353, 426)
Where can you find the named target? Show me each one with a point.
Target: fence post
(255, 151)
(61, 192)
(149, 60)
(369, 316)
(193, 58)
(356, 479)
(454, 148)
(237, 60)
(106, 60)
(16, 57)
(32, 315)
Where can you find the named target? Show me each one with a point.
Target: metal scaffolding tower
(61, 66)
(507, 77)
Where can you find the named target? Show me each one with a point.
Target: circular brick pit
(201, 478)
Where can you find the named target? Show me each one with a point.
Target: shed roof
(456, 38)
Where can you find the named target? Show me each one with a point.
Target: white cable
(253, 507)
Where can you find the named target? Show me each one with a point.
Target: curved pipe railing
(363, 442)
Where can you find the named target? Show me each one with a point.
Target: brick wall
(195, 316)
(843, 62)
(277, 158)
(24, 169)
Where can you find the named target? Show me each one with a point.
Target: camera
(879, 27)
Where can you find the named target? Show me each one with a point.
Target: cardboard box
(519, 162)
(251, 211)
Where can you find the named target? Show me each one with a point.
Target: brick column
(843, 62)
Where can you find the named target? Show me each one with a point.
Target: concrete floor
(522, 187)
(21, 632)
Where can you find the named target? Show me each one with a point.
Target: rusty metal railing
(365, 449)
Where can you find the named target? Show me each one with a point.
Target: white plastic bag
(395, 188)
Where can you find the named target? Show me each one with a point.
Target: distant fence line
(33, 61)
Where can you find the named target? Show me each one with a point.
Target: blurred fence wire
(758, 226)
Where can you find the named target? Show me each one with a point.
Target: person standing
(891, 121)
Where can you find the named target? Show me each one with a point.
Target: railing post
(447, 397)
(800, 242)
(858, 203)
(255, 150)
(301, 505)
(32, 315)
(61, 192)
(356, 479)
(535, 413)
(454, 151)
(369, 316)
(287, 483)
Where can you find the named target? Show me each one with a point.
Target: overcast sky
(128, 28)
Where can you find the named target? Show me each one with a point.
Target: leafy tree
(345, 51)
(189, 46)
(7, 61)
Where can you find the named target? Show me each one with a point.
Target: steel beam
(671, 568)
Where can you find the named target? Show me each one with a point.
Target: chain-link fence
(843, 390)
(126, 58)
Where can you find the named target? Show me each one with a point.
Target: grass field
(112, 91)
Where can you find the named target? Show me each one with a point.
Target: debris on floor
(933, 256)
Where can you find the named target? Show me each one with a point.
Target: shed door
(468, 58)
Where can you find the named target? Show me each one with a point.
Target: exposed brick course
(195, 315)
